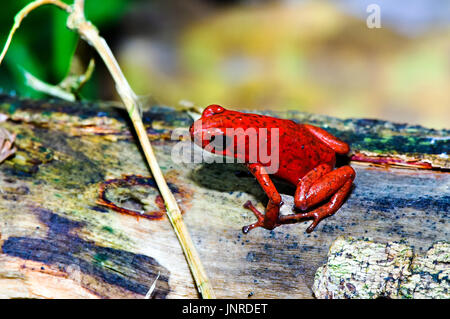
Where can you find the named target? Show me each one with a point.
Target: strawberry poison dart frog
(301, 154)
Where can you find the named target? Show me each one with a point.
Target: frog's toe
(313, 225)
(248, 205)
(248, 228)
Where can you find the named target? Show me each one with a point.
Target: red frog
(306, 159)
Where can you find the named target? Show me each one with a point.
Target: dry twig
(77, 22)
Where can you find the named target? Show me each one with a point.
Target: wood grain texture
(59, 240)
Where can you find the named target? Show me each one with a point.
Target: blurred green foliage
(44, 46)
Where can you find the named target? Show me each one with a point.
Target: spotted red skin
(301, 148)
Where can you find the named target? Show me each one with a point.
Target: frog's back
(295, 149)
(300, 151)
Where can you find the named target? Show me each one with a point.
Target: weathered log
(365, 269)
(73, 226)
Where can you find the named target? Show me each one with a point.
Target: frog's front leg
(269, 220)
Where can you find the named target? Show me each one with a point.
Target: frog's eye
(212, 109)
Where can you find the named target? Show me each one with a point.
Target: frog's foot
(260, 223)
(316, 215)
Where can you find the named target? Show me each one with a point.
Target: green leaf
(63, 45)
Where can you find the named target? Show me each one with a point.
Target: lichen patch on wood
(366, 269)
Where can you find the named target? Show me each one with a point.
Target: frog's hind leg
(317, 186)
(332, 141)
(302, 193)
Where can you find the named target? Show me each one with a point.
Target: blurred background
(312, 56)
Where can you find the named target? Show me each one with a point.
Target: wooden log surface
(65, 230)
(364, 269)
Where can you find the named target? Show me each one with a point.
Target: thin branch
(152, 288)
(41, 86)
(77, 22)
(75, 82)
(68, 89)
(23, 13)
